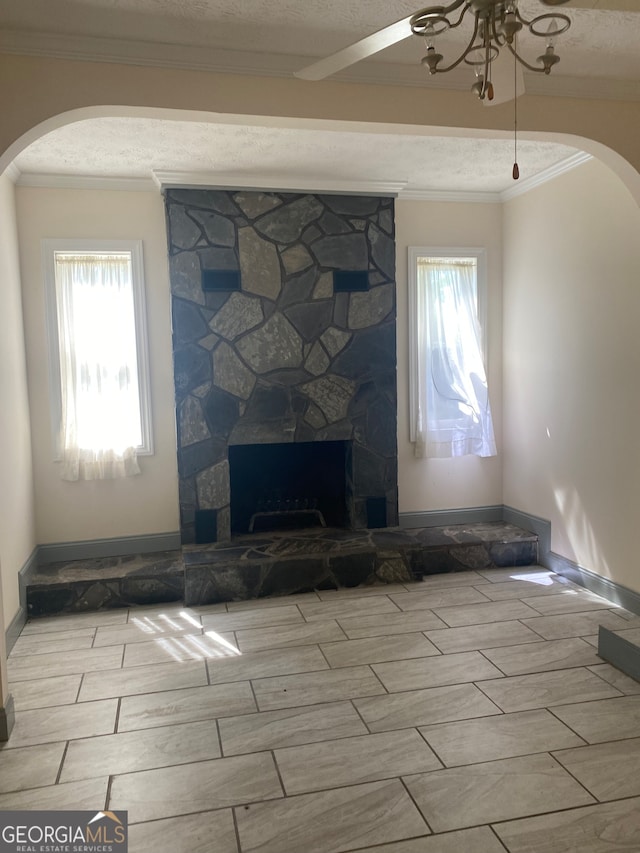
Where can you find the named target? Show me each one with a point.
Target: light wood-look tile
(607, 770)
(502, 736)
(146, 629)
(129, 752)
(397, 647)
(609, 719)
(477, 840)
(543, 689)
(30, 766)
(353, 761)
(190, 834)
(280, 636)
(272, 601)
(365, 591)
(494, 791)
(432, 598)
(481, 614)
(148, 679)
(567, 601)
(185, 706)
(45, 692)
(482, 637)
(185, 647)
(349, 607)
(49, 665)
(435, 672)
(258, 618)
(616, 678)
(610, 828)
(90, 794)
(192, 788)
(331, 821)
(574, 624)
(74, 622)
(421, 707)
(545, 656)
(64, 722)
(532, 573)
(387, 624)
(527, 587)
(310, 688)
(56, 642)
(289, 727)
(263, 664)
(449, 579)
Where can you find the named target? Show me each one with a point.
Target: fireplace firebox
(286, 486)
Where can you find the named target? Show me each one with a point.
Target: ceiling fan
(495, 25)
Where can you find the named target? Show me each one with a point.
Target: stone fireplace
(283, 309)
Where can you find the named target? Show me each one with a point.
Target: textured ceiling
(135, 147)
(278, 36)
(311, 28)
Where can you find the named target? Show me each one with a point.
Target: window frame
(81, 246)
(415, 252)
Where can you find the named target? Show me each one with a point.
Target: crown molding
(453, 196)
(164, 180)
(274, 183)
(85, 182)
(199, 58)
(13, 173)
(546, 175)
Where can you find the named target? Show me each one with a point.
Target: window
(449, 402)
(98, 363)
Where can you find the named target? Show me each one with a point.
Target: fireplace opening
(290, 486)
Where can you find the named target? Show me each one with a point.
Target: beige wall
(468, 481)
(145, 504)
(571, 366)
(17, 536)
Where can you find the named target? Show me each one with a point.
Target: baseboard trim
(7, 718)
(96, 548)
(623, 654)
(605, 587)
(442, 518)
(15, 627)
(540, 526)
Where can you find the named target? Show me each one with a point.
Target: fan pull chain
(516, 168)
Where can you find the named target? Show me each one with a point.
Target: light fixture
(495, 26)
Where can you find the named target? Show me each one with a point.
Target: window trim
(134, 247)
(415, 252)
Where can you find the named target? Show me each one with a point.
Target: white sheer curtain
(453, 412)
(100, 423)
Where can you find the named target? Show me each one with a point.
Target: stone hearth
(276, 564)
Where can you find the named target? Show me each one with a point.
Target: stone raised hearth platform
(276, 564)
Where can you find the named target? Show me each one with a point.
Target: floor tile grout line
(411, 797)
(573, 776)
(62, 760)
(236, 829)
(496, 836)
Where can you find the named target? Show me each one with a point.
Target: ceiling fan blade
(360, 50)
(598, 5)
(503, 77)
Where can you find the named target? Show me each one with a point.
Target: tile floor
(468, 713)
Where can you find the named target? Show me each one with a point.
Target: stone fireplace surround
(284, 359)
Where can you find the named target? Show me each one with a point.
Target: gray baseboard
(445, 517)
(15, 627)
(623, 654)
(609, 589)
(540, 526)
(96, 548)
(7, 718)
